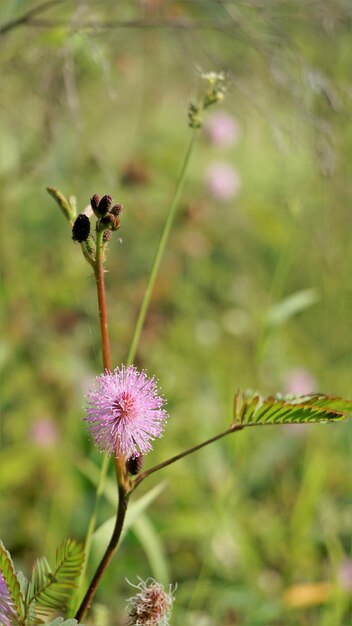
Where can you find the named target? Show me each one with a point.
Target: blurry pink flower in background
(44, 433)
(299, 382)
(222, 181)
(222, 129)
(345, 575)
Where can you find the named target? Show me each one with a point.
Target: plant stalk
(103, 318)
(143, 475)
(160, 252)
(106, 356)
(109, 552)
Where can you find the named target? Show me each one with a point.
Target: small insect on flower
(151, 606)
(124, 412)
(8, 615)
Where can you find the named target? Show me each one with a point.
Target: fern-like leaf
(13, 586)
(59, 621)
(306, 409)
(51, 589)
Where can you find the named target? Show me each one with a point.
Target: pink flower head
(222, 129)
(125, 412)
(151, 606)
(299, 382)
(222, 181)
(8, 616)
(44, 433)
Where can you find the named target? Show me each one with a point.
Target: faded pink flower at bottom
(8, 616)
(151, 606)
(125, 412)
(222, 181)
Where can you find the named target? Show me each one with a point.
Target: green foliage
(78, 122)
(59, 621)
(51, 589)
(305, 409)
(67, 206)
(8, 571)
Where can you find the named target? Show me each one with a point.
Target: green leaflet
(67, 206)
(51, 589)
(291, 409)
(8, 572)
(59, 621)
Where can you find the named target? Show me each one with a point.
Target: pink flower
(345, 574)
(151, 606)
(8, 616)
(222, 181)
(299, 382)
(222, 129)
(125, 412)
(44, 433)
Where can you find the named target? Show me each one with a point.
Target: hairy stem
(120, 463)
(143, 475)
(99, 278)
(106, 355)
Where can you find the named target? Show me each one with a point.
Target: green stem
(159, 253)
(143, 475)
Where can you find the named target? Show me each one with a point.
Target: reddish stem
(109, 553)
(99, 277)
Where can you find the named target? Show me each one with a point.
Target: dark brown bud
(134, 465)
(116, 209)
(107, 234)
(104, 205)
(81, 228)
(94, 203)
(111, 221)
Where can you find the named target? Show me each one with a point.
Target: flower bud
(111, 221)
(81, 228)
(116, 209)
(107, 234)
(94, 203)
(104, 205)
(134, 464)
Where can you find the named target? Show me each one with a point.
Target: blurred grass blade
(281, 312)
(153, 548)
(92, 472)
(102, 534)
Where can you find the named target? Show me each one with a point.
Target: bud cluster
(108, 214)
(214, 92)
(108, 220)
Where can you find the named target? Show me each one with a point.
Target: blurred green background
(253, 292)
